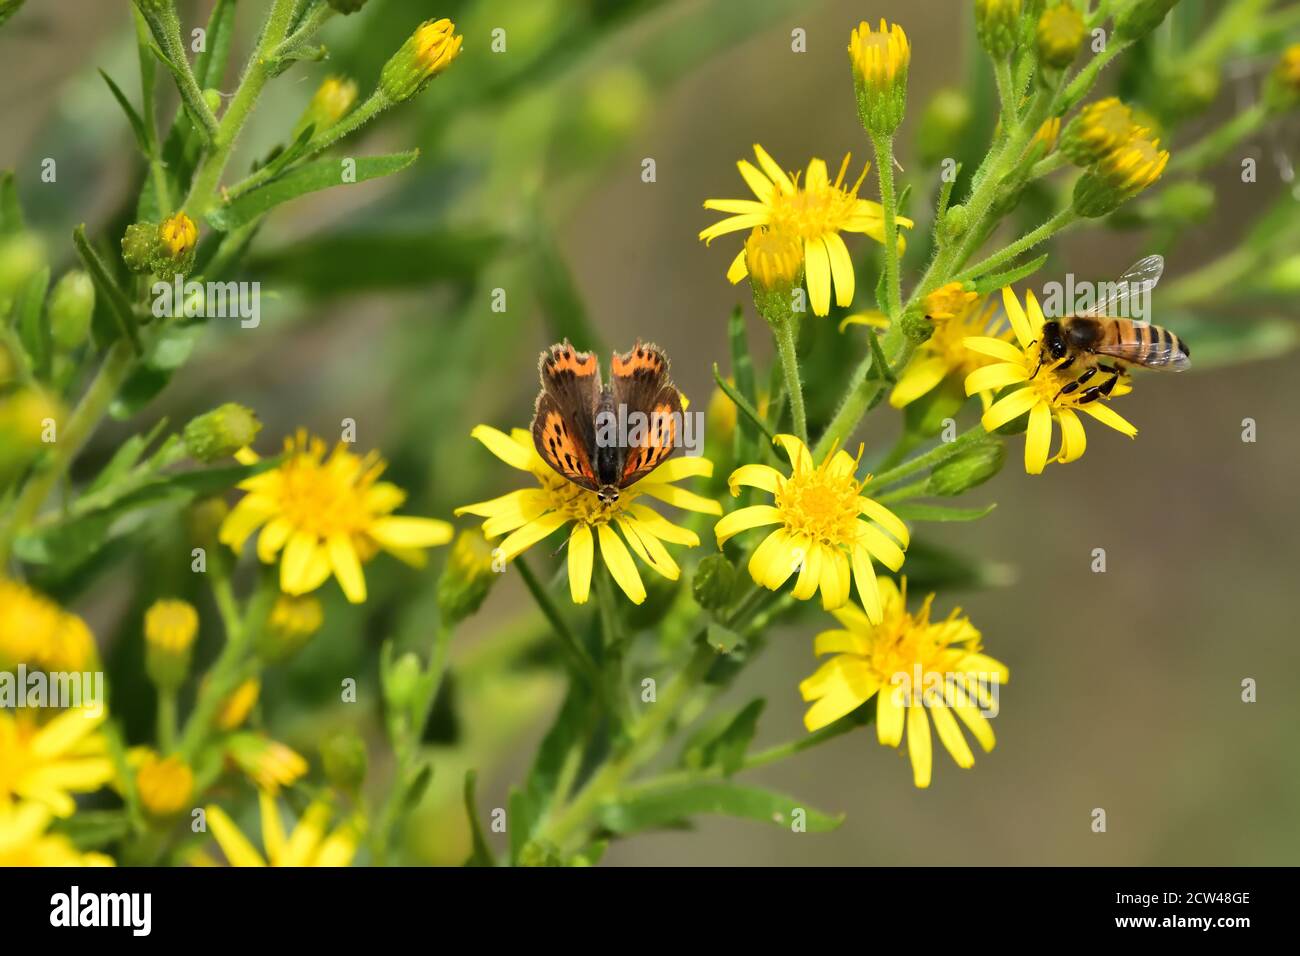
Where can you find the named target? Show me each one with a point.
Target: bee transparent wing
(1131, 287)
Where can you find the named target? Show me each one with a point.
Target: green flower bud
(221, 432)
(292, 623)
(467, 578)
(1097, 129)
(139, 245)
(880, 61)
(1119, 175)
(944, 123)
(170, 627)
(1282, 91)
(713, 582)
(969, 467)
(344, 757)
(954, 223)
(330, 103)
(1059, 35)
(539, 853)
(1187, 92)
(402, 681)
(1141, 17)
(21, 257)
(178, 239)
(425, 54)
(71, 305)
(212, 98)
(997, 23)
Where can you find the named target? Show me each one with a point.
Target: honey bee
(1091, 336)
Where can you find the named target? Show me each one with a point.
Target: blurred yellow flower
(171, 624)
(911, 665)
(822, 534)
(1039, 392)
(329, 515)
(47, 763)
(530, 515)
(307, 844)
(25, 842)
(268, 763)
(815, 213)
(35, 630)
(956, 317)
(165, 784)
(239, 704)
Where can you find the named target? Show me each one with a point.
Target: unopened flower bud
(774, 260)
(234, 710)
(402, 681)
(170, 627)
(425, 54)
(21, 256)
(268, 763)
(969, 467)
(1096, 130)
(1119, 175)
(71, 305)
(165, 785)
(1059, 35)
(221, 432)
(954, 223)
(1282, 91)
(177, 238)
(943, 125)
(291, 624)
(212, 99)
(330, 103)
(140, 245)
(344, 757)
(467, 577)
(880, 61)
(713, 583)
(997, 24)
(1141, 17)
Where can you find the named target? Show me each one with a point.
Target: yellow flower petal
(1019, 321)
(950, 735)
(581, 550)
(504, 447)
(994, 348)
(347, 567)
(841, 269)
(675, 469)
(531, 533)
(817, 274)
(620, 564)
(889, 716)
(1009, 406)
(918, 744)
(1108, 416)
(773, 170)
(755, 516)
(885, 518)
(1073, 438)
(920, 376)
(760, 185)
(1038, 438)
(995, 376)
(763, 477)
(774, 560)
(233, 843)
(401, 531)
(795, 450)
(681, 498)
(835, 580)
(810, 575)
(864, 576)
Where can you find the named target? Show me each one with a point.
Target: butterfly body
(605, 437)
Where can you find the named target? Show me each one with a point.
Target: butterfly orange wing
(563, 422)
(641, 383)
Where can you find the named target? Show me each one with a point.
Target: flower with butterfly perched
(822, 534)
(1039, 389)
(530, 515)
(913, 667)
(814, 213)
(328, 515)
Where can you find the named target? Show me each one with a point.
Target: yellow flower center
(579, 504)
(810, 213)
(904, 642)
(325, 496)
(820, 504)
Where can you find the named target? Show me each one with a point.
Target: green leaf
(990, 283)
(909, 511)
(11, 212)
(555, 747)
(418, 785)
(660, 806)
(93, 829)
(106, 287)
(210, 65)
(724, 742)
(522, 816)
(33, 330)
(723, 639)
(124, 459)
(308, 178)
(750, 413)
(137, 124)
(481, 854)
(327, 266)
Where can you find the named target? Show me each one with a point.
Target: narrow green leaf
(653, 807)
(556, 746)
(750, 412)
(481, 854)
(94, 829)
(724, 742)
(990, 283)
(107, 287)
(520, 822)
(910, 511)
(137, 124)
(210, 65)
(308, 178)
(11, 212)
(124, 459)
(33, 330)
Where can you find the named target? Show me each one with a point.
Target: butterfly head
(608, 494)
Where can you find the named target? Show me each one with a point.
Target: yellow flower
(1097, 129)
(178, 235)
(823, 535)
(268, 763)
(1060, 32)
(814, 213)
(35, 630)
(956, 316)
(880, 61)
(425, 54)
(329, 515)
(1039, 394)
(773, 258)
(1044, 138)
(307, 844)
(50, 762)
(1284, 88)
(1135, 165)
(24, 842)
(291, 624)
(235, 708)
(171, 625)
(165, 784)
(529, 515)
(330, 103)
(911, 665)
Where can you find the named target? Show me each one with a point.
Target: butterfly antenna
(563, 544)
(641, 541)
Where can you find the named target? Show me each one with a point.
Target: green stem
(863, 388)
(612, 632)
(1007, 94)
(118, 363)
(914, 490)
(884, 148)
(208, 176)
(1061, 220)
(578, 657)
(934, 456)
(1083, 80)
(307, 28)
(783, 331)
(166, 719)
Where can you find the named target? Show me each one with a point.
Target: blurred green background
(1126, 686)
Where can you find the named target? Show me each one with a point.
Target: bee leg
(1108, 385)
(1070, 387)
(1091, 394)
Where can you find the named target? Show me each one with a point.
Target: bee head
(1054, 340)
